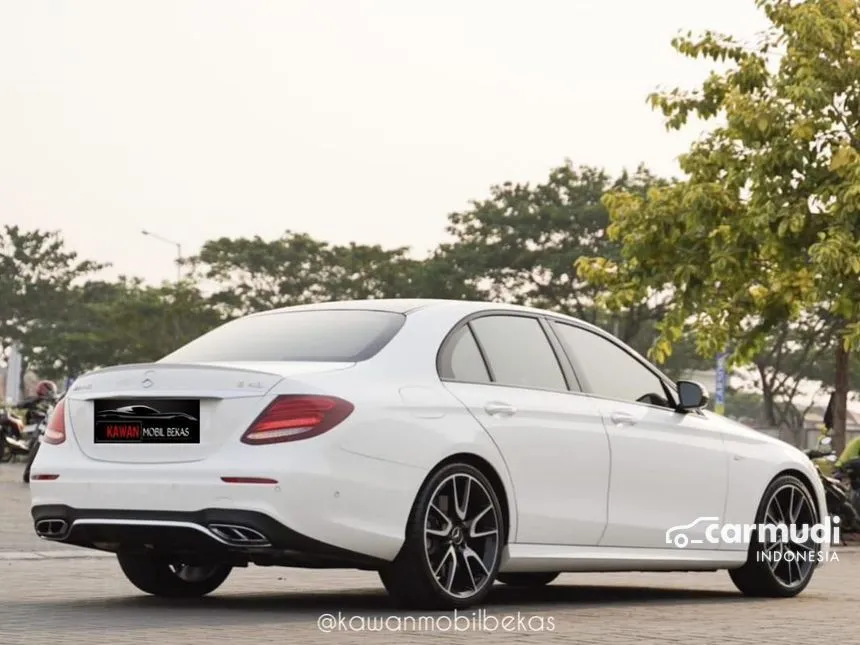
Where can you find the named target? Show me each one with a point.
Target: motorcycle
(850, 472)
(842, 501)
(822, 455)
(16, 439)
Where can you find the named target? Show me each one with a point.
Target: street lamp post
(178, 251)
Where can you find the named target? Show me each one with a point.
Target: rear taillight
(292, 417)
(55, 432)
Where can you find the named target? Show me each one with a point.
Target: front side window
(610, 371)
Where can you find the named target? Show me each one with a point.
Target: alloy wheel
(462, 535)
(790, 561)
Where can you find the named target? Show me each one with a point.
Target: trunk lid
(230, 396)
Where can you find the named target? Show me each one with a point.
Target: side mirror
(691, 396)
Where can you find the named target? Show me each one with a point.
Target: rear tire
(537, 579)
(454, 542)
(159, 576)
(763, 576)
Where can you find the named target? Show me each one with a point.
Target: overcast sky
(365, 120)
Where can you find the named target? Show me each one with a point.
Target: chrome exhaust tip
(237, 535)
(53, 529)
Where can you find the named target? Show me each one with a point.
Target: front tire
(454, 541)
(160, 576)
(769, 572)
(537, 579)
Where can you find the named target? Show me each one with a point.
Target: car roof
(395, 305)
(409, 306)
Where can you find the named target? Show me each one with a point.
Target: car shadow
(132, 612)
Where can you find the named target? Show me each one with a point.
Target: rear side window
(462, 360)
(329, 335)
(519, 352)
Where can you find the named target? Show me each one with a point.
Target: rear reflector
(44, 478)
(248, 480)
(293, 417)
(55, 433)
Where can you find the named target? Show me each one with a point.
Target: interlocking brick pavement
(78, 602)
(88, 601)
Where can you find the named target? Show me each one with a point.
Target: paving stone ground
(87, 601)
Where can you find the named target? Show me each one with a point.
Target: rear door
(505, 370)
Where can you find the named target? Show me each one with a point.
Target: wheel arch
(490, 472)
(810, 486)
(803, 478)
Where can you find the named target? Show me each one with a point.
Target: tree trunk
(767, 398)
(840, 396)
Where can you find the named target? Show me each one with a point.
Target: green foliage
(767, 224)
(744, 405)
(253, 274)
(121, 322)
(37, 272)
(519, 245)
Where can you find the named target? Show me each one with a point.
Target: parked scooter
(849, 472)
(840, 499)
(823, 454)
(843, 500)
(16, 439)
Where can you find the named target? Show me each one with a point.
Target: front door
(669, 469)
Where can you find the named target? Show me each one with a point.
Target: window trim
(669, 387)
(568, 374)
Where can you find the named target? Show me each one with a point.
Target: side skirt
(544, 557)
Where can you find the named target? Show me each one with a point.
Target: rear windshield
(345, 335)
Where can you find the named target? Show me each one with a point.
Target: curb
(53, 555)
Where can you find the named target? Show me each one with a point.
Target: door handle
(622, 419)
(499, 409)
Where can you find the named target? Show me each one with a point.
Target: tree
(37, 273)
(520, 244)
(111, 323)
(766, 225)
(744, 405)
(787, 362)
(253, 274)
(151, 322)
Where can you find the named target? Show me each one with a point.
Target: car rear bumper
(213, 533)
(357, 504)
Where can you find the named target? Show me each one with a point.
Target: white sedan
(444, 444)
